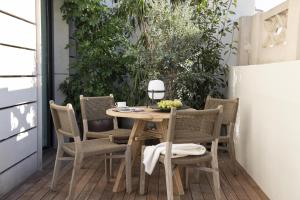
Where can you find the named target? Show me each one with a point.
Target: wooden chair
(66, 126)
(94, 108)
(230, 108)
(191, 127)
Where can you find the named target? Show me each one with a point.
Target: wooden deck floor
(92, 185)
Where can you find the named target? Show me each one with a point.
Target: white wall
(61, 54)
(20, 153)
(267, 130)
(244, 8)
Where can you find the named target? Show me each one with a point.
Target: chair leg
(142, 173)
(106, 169)
(169, 179)
(216, 176)
(57, 167)
(232, 156)
(76, 168)
(186, 171)
(110, 165)
(216, 180)
(128, 170)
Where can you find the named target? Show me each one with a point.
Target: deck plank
(194, 185)
(242, 180)
(252, 183)
(153, 186)
(93, 186)
(235, 185)
(88, 189)
(98, 189)
(226, 188)
(45, 189)
(162, 190)
(83, 173)
(210, 181)
(205, 188)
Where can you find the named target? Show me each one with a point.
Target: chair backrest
(64, 120)
(230, 108)
(94, 108)
(194, 126)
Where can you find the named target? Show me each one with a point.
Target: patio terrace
(264, 75)
(92, 185)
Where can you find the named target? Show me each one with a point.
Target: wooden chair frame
(230, 107)
(66, 126)
(85, 115)
(108, 102)
(169, 162)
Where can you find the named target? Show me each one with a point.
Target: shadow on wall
(242, 132)
(14, 91)
(16, 119)
(244, 123)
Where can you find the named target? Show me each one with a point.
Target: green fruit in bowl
(177, 103)
(168, 104)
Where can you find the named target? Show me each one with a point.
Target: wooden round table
(139, 134)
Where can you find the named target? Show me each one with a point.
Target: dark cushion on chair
(100, 125)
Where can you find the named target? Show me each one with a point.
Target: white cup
(121, 104)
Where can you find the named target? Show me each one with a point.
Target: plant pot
(126, 123)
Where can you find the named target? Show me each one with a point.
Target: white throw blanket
(152, 153)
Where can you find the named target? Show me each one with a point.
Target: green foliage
(181, 42)
(185, 48)
(101, 37)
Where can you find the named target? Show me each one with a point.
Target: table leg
(137, 129)
(162, 128)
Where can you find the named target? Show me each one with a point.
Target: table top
(147, 114)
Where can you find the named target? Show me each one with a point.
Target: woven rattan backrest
(230, 108)
(64, 120)
(94, 108)
(194, 126)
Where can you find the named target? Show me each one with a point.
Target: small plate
(128, 109)
(122, 109)
(138, 110)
